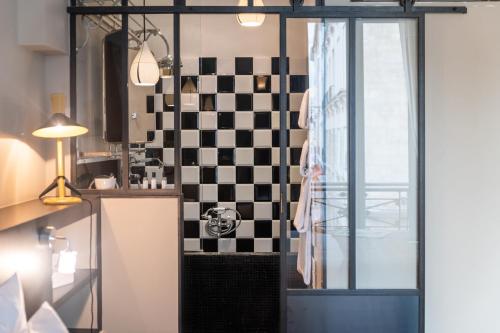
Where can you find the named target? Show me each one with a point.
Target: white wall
(463, 171)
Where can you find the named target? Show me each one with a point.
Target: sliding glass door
(352, 257)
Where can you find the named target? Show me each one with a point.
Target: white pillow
(46, 320)
(12, 313)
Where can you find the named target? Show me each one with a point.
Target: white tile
(208, 192)
(263, 245)
(168, 156)
(157, 140)
(276, 192)
(227, 245)
(245, 230)
(275, 84)
(275, 156)
(226, 175)
(297, 137)
(226, 102)
(208, 156)
(190, 66)
(263, 211)
(295, 101)
(263, 174)
(226, 138)
(167, 85)
(190, 102)
(230, 205)
(262, 102)
(208, 120)
(294, 245)
(190, 138)
(168, 120)
(203, 230)
(225, 66)
(191, 210)
(298, 66)
(208, 84)
(261, 65)
(295, 176)
(244, 192)
(192, 245)
(243, 84)
(244, 156)
(275, 120)
(244, 120)
(158, 102)
(262, 138)
(293, 209)
(190, 175)
(276, 228)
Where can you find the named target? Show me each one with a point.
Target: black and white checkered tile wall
(230, 146)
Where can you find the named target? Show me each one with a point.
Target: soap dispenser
(153, 181)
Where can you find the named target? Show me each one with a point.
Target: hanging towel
(304, 155)
(304, 111)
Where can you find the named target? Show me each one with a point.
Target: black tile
(209, 245)
(204, 206)
(262, 156)
(208, 102)
(169, 173)
(262, 84)
(208, 66)
(232, 234)
(208, 139)
(262, 120)
(295, 156)
(225, 84)
(150, 104)
(263, 192)
(244, 175)
(243, 66)
(159, 120)
(208, 175)
(276, 245)
(168, 103)
(244, 102)
(150, 136)
(225, 120)
(138, 170)
(244, 138)
(225, 156)
(226, 193)
(159, 86)
(154, 153)
(276, 174)
(245, 209)
(294, 119)
(244, 245)
(189, 84)
(276, 102)
(298, 83)
(294, 192)
(189, 120)
(191, 229)
(275, 65)
(276, 210)
(263, 229)
(168, 139)
(191, 193)
(190, 156)
(276, 138)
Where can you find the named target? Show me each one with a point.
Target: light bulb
(251, 19)
(144, 71)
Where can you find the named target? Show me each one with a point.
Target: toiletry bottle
(153, 181)
(164, 183)
(145, 184)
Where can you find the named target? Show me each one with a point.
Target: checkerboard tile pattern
(230, 146)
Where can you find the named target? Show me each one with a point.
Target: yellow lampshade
(251, 19)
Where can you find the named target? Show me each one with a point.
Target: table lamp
(58, 127)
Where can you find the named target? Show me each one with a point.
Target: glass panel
(151, 103)
(98, 100)
(317, 51)
(386, 106)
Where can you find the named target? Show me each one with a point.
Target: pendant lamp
(251, 19)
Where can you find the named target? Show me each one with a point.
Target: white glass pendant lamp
(251, 19)
(144, 70)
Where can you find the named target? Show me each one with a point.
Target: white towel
(304, 111)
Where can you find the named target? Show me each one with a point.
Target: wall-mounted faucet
(220, 223)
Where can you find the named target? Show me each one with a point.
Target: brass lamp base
(61, 200)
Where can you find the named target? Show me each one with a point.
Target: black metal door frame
(350, 13)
